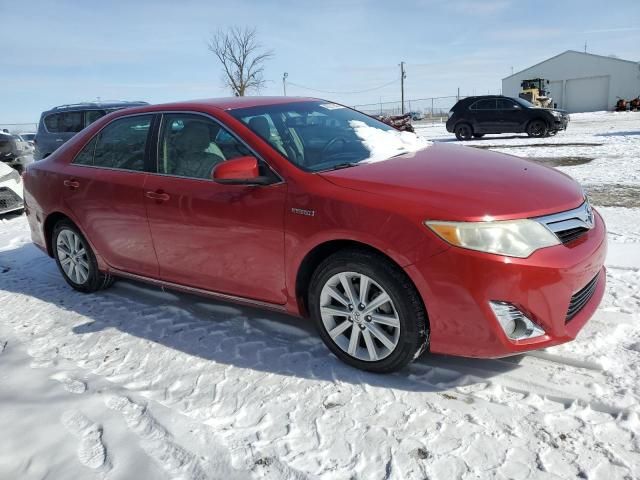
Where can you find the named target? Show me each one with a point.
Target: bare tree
(242, 58)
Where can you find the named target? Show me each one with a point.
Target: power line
(344, 93)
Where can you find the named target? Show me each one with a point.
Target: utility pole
(585, 47)
(284, 83)
(403, 75)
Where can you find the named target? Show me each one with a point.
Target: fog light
(516, 325)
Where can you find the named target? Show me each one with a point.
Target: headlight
(12, 175)
(513, 238)
(556, 114)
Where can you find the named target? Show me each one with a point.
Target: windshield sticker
(331, 106)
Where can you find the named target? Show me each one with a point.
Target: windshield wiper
(339, 166)
(401, 153)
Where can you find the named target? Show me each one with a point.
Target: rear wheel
(464, 131)
(367, 311)
(537, 129)
(76, 260)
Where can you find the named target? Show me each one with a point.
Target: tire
(463, 131)
(396, 330)
(478, 135)
(83, 275)
(537, 128)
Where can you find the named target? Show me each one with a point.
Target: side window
(486, 104)
(192, 145)
(52, 122)
(91, 116)
(504, 104)
(85, 157)
(121, 144)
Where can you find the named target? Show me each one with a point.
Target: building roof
(571, 51)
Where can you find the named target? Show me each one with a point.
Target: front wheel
(75, 259)
(463, 131)
(367, 311)
(537, 129)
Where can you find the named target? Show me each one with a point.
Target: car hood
(449, 182)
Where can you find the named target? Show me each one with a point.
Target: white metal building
(581, 82)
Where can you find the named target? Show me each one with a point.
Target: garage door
(555, 91)
(587, 94)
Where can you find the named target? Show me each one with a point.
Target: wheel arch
(319, 253)
(49, 224)
(537, 117)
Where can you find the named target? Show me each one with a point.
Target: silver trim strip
(581, 217)
(199, 291)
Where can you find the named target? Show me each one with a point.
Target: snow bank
(386, 144)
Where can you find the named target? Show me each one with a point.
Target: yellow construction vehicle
(535, 91)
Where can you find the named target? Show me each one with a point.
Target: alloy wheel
(72, 255)
(359, 316)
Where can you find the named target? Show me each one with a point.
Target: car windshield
(524, 102)
(316, 135)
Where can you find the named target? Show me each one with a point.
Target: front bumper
(561, 123)
(11, 196)
(458, 284)
(20, 161)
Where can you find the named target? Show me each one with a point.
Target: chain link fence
(430, 108)
(433, 109)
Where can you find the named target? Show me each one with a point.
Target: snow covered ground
(134, 382)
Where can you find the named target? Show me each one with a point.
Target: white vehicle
(14, 151)
(11, 191)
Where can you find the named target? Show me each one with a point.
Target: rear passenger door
(104, 190)
(485, 116)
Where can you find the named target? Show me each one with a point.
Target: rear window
(6, 146)
(67, 122)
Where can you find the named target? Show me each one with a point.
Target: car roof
(96, 105)
(233, 103)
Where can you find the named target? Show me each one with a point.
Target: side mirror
(239, 171)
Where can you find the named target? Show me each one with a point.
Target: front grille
(571, 234)
(580, 299)
(570, 225)
(9, 200)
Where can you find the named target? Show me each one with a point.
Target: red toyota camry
(393, 245)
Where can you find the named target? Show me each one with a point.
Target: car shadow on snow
(224, 333)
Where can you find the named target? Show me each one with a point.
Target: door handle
(159, 196)
(59, 140)
(71, 184)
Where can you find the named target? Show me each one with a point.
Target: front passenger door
(211, 236)
(510, 115)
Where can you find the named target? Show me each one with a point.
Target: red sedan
(393, 245)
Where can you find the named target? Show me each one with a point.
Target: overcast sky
(71, 51)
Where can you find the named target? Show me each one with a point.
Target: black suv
(475, 116)
(61, 123)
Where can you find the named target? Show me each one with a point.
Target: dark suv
(475, 116)
(61, 123)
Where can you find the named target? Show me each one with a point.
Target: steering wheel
(331, 143)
